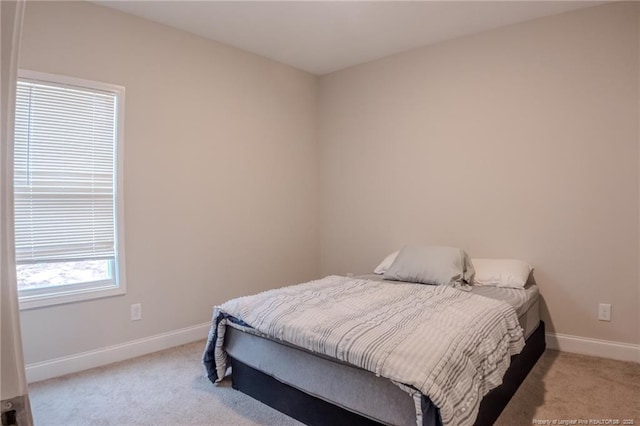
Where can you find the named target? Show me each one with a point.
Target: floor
(169, 388)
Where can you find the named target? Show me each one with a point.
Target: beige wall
(519, 142)
(220, 172)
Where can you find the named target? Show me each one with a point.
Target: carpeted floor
(169, 388)
(578, 389)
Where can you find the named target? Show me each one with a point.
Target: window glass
(67, 190)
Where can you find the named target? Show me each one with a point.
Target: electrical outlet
(604, 312)
(136, 312)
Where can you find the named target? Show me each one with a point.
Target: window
(67, 189)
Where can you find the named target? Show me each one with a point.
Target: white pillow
(511, 273)
(384, 265)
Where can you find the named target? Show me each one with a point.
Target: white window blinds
(64, 162)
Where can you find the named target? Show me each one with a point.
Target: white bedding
(452, 346)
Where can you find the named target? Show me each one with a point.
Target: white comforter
(452, 346)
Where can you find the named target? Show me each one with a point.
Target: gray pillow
(436, 265)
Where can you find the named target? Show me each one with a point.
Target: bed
(319, 387)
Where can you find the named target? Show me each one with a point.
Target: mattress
(350, 387)
(525, 301)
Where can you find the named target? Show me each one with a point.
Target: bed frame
(317, 412)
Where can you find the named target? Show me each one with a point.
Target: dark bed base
(316, 412)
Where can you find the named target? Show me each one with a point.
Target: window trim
(97, 289)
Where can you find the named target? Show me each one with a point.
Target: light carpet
(169, 388)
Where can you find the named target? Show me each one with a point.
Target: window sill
(70, 296)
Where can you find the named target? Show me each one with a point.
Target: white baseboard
(594, 347)
(43, 370)
(83, 361)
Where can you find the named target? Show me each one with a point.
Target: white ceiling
(325, 36)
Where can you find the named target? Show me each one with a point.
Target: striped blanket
(451, 345)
